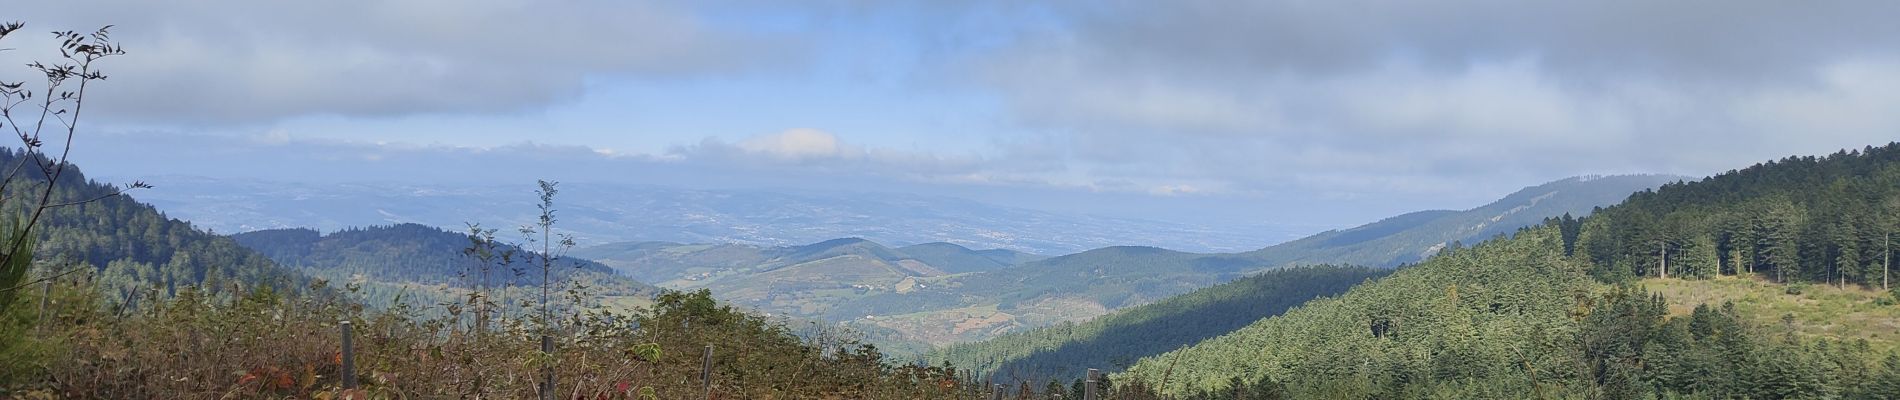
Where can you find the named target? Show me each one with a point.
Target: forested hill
(1819, 219)
(1460, 318)
(422, 266)
(1063, 352)
(1545, 312)
(131, 246)
(400, 253)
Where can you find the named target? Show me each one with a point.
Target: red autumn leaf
(622, 387)
(282, 380)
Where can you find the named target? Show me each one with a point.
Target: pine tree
(1890, 211)
(1886, 385)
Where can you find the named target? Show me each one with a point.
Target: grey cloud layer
(1367, 97)
(1453, 101)
(1614, 38)
(224, 61)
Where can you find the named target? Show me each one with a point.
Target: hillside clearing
(1819, 311)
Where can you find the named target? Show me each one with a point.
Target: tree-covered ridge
(952, 258)
(1522, 315)
(1823, 219)
(411, 253)
(1514, 319)
(1467, 310)
(1063, 352)
(133, 250)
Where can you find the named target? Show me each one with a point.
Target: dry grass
(1820, 311)
(267, 346)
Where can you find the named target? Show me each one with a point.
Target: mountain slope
(132, 247)
(1416, 236)
(1825, 219)
(1490, 298)
(1549, 311)
(1091, 283)
(1063, 351)
(956, 259)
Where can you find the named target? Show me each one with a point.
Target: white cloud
(1173, 190)
(799, 144)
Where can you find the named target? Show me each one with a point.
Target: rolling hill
(1565, 309)
(1064, 351)
(969, 307)
(800, 281)
(1463, 311)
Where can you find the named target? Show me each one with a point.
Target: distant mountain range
(608, 213)
(1116, 340)
(700, 265)
(1414, 236)
(941, 293)
(800, 281)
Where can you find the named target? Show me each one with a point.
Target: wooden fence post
(45, 293)
(349, 358)
(1089, 390)
(705, 371)
(547, 371)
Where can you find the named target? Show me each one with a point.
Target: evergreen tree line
(1509, 319)
(135, 250)
(1829, 219)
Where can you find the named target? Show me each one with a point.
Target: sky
(1297, 113)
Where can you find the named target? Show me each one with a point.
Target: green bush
(1797, 288)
